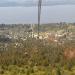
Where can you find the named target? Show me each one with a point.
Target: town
(56, 32)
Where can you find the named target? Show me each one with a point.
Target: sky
(16, 11)
(34, 2)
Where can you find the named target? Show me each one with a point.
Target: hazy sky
(24, 2)
(59, 13)
(63, 12)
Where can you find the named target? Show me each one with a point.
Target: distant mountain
(7, 3)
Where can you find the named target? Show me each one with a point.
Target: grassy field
(33, 57)
(40, 57)
(36, 70)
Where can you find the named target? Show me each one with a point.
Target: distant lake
(58, 13)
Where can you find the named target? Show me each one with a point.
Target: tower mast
(39, 15)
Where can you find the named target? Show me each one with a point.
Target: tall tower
(39, 14)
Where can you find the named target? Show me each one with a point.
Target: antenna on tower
(39, 14)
